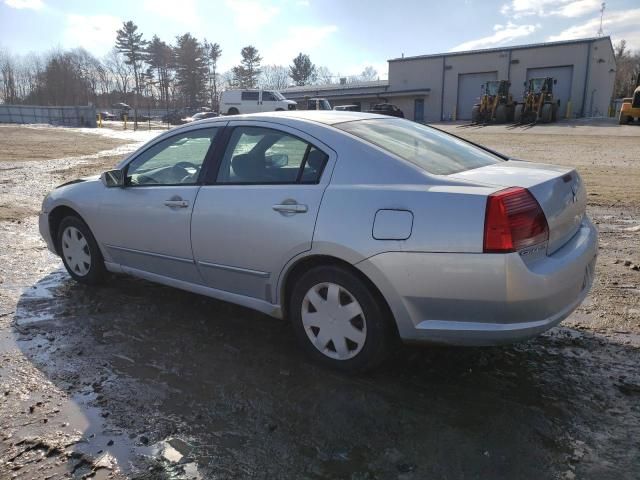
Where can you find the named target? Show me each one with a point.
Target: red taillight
(513, 220)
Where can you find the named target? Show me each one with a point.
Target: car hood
(92, 178)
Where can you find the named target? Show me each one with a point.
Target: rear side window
(250, 96)
(257, 155)
(432, 150)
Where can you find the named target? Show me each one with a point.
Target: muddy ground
(135, 380)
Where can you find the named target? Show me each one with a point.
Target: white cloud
(250, 15)
(621, 24)
(25, 4)
(298, 39)
(96, 33)
(182, 11)
(565, 8)
(503, 34)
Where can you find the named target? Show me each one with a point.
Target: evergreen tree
(302, 72)
(191, 69)
(247, 73)
(133, 47)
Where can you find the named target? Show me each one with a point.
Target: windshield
(324, 105)
(492, 88)
(434, 151)
(278, 95)
(537, 84)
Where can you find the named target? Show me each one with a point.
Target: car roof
(327, 117)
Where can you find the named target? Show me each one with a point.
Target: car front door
(259, 209)
(145, 225)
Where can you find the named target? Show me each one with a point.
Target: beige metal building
(445, 86)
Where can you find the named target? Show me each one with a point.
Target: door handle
(290, 208)
(176, 203)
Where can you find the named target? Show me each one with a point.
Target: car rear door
(258, 210)
(145, 225)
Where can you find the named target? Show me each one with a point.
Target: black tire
(379, 333)
(554, 115)
(547, 113)
(501, 114)
(233, 111)
(96, 272)
(475, 114)
(279, 109)
(517, 113)
(623, 119)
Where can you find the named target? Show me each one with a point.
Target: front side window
(268, 97)
(432, 150)
(264, 156)
(174, 161)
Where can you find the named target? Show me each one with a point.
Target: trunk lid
(559, 191)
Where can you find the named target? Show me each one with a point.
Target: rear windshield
(434, 151)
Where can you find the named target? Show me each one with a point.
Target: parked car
(106, 116)
(173, 118)
(387, 109)
(347, 108)
(233, 102)
(199, 116)
(358, 228)
(317, 104)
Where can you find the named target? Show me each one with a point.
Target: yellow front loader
(496, 103)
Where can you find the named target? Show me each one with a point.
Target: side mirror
(555, 80)
(524, 83)
(113, 178)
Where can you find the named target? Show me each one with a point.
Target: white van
(233, 102)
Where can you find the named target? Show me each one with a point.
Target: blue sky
(344, 35)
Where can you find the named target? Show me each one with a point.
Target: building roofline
(503, 49)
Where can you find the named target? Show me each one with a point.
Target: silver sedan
(358, 228)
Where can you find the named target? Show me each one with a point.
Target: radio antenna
(600, 32)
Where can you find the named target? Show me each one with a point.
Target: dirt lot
(134, 380)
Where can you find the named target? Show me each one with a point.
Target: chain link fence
(74, 116)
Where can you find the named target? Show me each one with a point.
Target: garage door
(562, 89)
(469, 91)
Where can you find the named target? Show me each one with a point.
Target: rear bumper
(484, 299)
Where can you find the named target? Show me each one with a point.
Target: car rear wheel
(339, 321)
(233, 111)
(79, 251)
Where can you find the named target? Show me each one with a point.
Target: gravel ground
(135, 380)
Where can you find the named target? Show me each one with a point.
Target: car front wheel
(79, 251)
(339, 321)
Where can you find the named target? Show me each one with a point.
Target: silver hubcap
(333, 321)
(76, 251)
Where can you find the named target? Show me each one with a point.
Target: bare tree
(120, 71)
(369, 74)
(7, 73)
(627, 70)
(274, 76)
(323, 76)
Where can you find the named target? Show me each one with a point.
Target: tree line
(149, 73)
